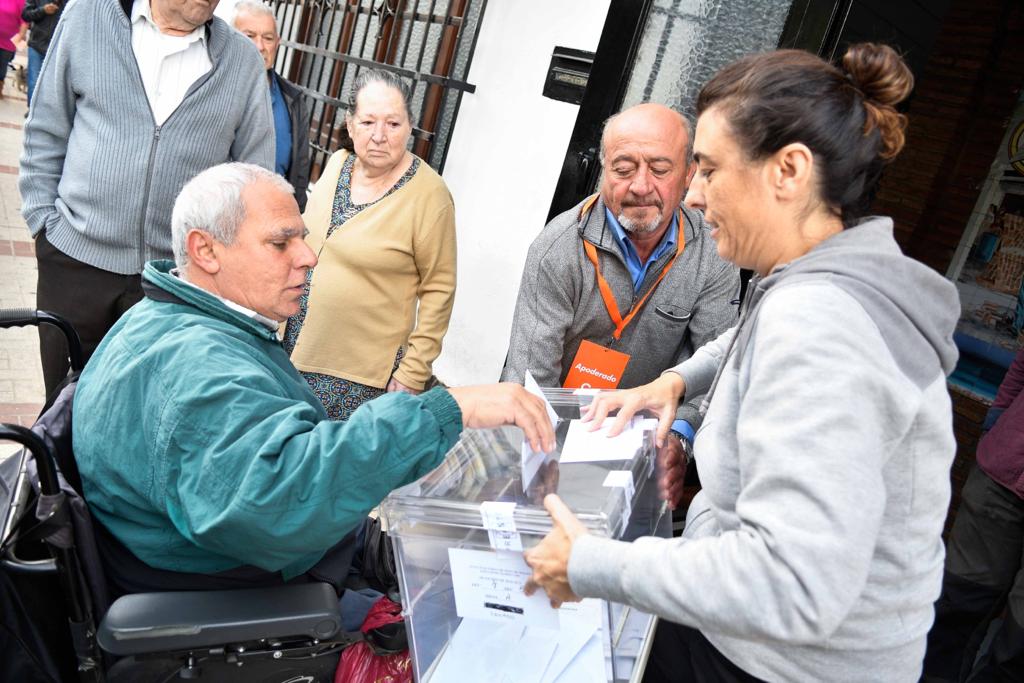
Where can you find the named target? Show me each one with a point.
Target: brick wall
(958, 115)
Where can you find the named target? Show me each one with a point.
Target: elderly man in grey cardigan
(148, 94)
(655, 257)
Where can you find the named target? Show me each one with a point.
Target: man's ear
(201, 253)
(690, 172)
(792, 171)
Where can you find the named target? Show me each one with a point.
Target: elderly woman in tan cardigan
(382, 223)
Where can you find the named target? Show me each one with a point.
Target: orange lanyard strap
(606, 289)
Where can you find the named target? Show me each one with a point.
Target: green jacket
(202, 449)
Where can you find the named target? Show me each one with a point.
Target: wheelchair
(57, 622)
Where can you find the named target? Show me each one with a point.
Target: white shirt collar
(272, 325)
(141, 11)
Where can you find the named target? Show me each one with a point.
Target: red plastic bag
(359, 664)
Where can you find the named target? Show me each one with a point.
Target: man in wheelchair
(201, 449)
(204, 456)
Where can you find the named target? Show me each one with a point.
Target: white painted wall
(225, 9)
(504, 160)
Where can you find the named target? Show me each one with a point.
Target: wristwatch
(687, 446)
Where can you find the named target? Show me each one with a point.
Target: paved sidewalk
(21, 379)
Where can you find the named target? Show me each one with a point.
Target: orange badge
(596, 367)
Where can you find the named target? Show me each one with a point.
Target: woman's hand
(549, 559)
(395, 385)
(660, 396)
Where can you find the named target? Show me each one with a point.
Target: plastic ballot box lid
(604, 481)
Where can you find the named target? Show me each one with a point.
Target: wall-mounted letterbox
(568, 74)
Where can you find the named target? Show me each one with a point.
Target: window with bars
(325, 44)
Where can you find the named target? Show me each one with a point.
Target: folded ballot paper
(584, 445)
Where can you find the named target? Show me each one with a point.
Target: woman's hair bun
(885, 80)
(878, 72)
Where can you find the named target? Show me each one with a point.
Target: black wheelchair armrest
(158, 622)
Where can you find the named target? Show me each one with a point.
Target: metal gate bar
(325, 43)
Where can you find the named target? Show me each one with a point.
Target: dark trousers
(984, 575)
(5, 61)
(91, 299)
(683, 655)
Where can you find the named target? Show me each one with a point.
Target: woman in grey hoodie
(813, 552)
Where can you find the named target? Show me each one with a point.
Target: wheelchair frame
(160, 636)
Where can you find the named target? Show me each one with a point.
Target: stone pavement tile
(24, 365)
(18, 284)
(10, 199)
(27, 390)
(21, 377)
(7, 449)
(24, 248)
(23, 414)
(10, 145)
(12, 108)
(16, 232)
(17, 248)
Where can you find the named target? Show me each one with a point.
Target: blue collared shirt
(638, 271)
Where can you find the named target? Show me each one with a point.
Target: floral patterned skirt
(340, 396)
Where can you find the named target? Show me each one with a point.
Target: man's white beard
(631, 226)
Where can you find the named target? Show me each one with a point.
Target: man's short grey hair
(686, 127)
(212, 202)
(390, 79)
(253, 8)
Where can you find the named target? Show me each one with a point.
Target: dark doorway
(658, 51)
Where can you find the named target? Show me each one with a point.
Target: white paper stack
(583, 445)
(485, 650)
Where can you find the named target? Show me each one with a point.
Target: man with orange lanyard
(629, 281)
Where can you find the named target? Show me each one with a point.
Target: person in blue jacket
(203, 453)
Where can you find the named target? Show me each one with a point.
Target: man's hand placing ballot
(494, 405)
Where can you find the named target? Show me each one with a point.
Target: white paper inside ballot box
(519, 642)
(489, 585)
(482, 650)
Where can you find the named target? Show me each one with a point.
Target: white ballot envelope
(583, 445)
(531, 459)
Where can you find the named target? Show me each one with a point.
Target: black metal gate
(325, 43)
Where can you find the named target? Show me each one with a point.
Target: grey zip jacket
(813, 552)
(97, 173)
(560, 305)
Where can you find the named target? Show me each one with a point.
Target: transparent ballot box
(459, 534)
